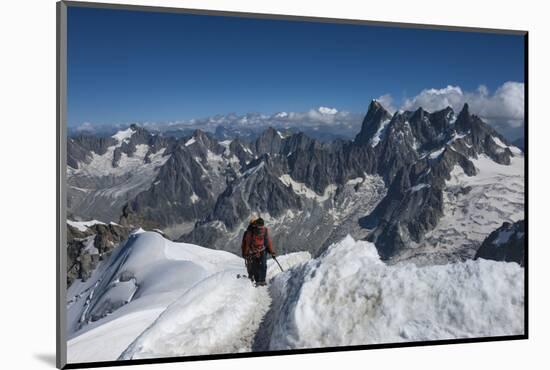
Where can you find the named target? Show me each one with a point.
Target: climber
(255, 246)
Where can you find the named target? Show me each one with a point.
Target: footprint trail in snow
(220, 314)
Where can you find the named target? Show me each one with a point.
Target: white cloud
(503, 109)
(387, 102)
(85, 127)
(320, 115)
(436, 99)
(327, 110)
(319, 118)
(506, 105)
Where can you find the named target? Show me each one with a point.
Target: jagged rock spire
(376, 114)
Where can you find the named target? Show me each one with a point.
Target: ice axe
(272, 256)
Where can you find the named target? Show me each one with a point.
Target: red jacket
(255, 240)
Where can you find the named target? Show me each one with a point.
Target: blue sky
(128, 66)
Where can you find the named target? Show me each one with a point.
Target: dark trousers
(258, 267)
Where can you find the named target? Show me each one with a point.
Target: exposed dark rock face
(92, 143)
(76, 153)
(85, 249)
(482, 136)
(258, 190)
(270, 142)
(376, 117)
(507, 243)
(416, 156)
(80, 149)
(98, 186)
(141, 136)
(270, 185)
(188, 185)
(181, 189)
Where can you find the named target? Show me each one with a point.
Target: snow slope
(156, 298)
(218, 314)
(131, 289)
(348, 296)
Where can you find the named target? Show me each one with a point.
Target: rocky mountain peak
(372, 124)
(270, 133)
(269, 141)
(205, 142)
(464, 119)
(198, 134)
(465, 109)
(201, 136)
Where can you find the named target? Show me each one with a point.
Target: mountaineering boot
(260, 283)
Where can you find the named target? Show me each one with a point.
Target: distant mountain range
(322, 123)
(428, 187)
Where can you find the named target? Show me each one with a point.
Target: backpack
(258, 234)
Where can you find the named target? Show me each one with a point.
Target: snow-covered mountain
(155, 298)
(104, 173)
(422, 186)
(451, 180)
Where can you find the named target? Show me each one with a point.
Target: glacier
(474, 206)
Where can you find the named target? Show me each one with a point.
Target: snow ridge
(348, 296)
(217, 315)
(181, 299)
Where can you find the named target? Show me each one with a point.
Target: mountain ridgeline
(399, 184)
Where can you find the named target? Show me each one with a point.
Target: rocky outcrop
(86, 247)
(507, 243)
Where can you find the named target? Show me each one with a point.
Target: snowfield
(219, 314)
(156, 298)
(348, 296)
(131, 289)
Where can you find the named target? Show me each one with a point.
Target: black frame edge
(291, 352)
